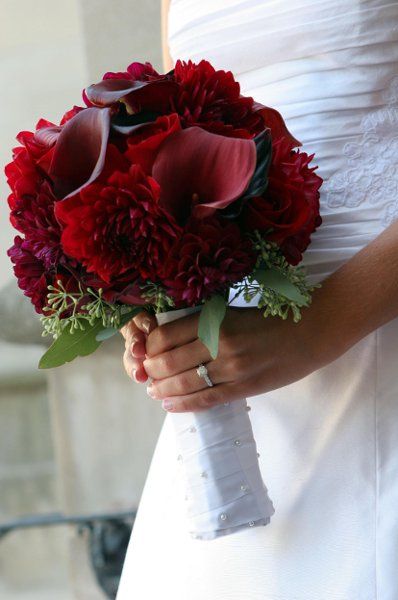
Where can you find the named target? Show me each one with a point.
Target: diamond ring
(203, 372)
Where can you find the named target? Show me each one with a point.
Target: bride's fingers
(203, 399)
(130, 332)
(184, 383)
(168, 336)
(145, 322)
(134, 367)
(176, 361)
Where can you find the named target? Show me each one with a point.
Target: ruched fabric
(328, 443)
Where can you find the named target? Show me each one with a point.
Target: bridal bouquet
(167, 192)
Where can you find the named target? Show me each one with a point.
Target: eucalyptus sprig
(156, 297)
(279, 287)
(72, 311)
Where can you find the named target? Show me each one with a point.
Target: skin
(257, 355)
(168, 63)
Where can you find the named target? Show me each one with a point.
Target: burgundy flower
(288, 212)
(118, 226)
(70, 114)
(126, 289)
(31, 200)
(30, 273)
(143, 144)
(33, 215)
(29, 160)
(200, 172)
(212, 100)
(140, 88)
(137, 70)
(22, 174)
(208, 257)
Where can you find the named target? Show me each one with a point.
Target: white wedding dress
(328, 443)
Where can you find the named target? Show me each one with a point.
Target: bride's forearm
(359, 297)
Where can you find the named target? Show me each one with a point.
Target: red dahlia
(212, 99)
(289, 209)
(209, 256)
(33, 215)
(30, 273)
(118, 226)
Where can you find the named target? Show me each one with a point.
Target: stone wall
(37, 558)
(78, 439)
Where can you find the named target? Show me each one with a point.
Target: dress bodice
(328, 442)
(330, 68)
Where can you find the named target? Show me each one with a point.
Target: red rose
(31, 161)
(208, 257)
(142, 146)
(288, 212)
(70, 114)
(212, 100)
(22, 175)
(118, 226)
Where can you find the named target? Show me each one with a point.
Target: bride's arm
(257, 354)
(167, 60)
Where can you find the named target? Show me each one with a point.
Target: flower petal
(48, 135)
(79, 153)
(109, 91)
(194, 166)
(274, 120)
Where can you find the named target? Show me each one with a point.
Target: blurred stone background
(77, 440)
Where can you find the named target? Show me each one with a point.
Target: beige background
(78, 439)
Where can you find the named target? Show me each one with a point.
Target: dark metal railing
(109, 534)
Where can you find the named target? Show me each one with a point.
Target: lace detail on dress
(372, 166)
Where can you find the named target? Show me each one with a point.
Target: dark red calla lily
(274, 120)
(79, 152)
(201, 172)
(137, 95)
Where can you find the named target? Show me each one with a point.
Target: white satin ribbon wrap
(219, 461)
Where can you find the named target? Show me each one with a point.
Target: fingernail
(134, 374)
(134, 349)
(146, 324)
(167, 404)
(151, 392)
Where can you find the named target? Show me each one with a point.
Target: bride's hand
(255, 355)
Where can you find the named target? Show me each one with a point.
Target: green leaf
(109, 332)
(106, 333)
(278, 282)
(69, 345)
(211, 317)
